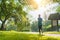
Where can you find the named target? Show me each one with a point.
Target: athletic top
(39, 21)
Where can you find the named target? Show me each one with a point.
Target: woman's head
(39, 15)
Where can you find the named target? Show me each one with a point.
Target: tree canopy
(11, 9)
(58, 7)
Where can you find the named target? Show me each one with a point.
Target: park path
(46, 34)
(52, 35)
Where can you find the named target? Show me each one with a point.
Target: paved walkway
(53, 35)
(46, 34)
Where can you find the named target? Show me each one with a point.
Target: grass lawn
(13, 35)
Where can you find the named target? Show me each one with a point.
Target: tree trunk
(2, 25)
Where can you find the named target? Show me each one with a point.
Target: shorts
(40, 27)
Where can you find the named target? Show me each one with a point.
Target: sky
(44, 7)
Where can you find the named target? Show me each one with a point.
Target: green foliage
(11, 27)
(56, 1)
(47, 28)
(46, 25)
(12, 9)
(34, 26)
(58, 9)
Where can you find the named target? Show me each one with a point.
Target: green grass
(12, 35)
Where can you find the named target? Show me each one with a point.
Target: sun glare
(41, 9)
(37, 1)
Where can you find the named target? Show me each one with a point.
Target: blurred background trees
(12, 14)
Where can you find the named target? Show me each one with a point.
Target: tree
(34, 26)
(10, 9)
(58, 1)
(58, 7)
